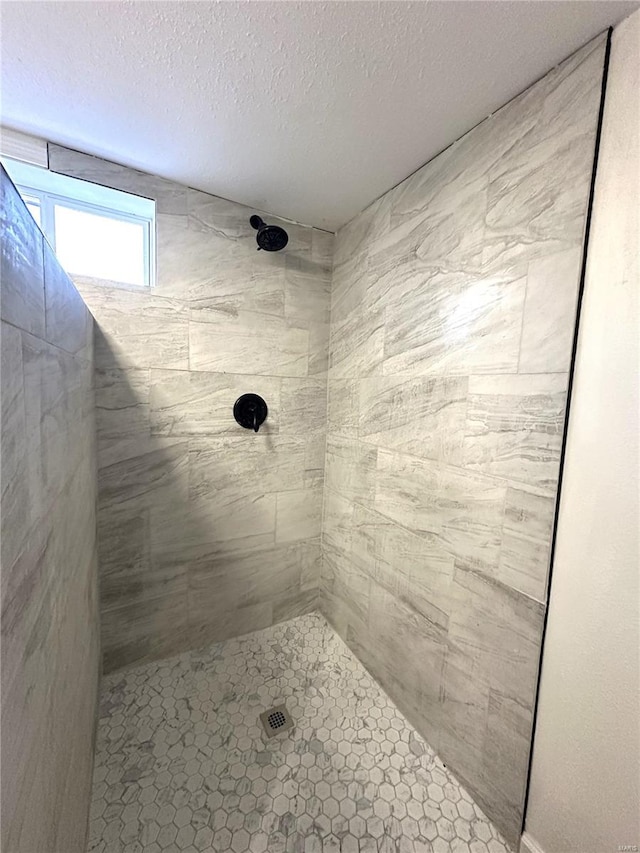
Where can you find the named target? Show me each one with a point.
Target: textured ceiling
(306, 109)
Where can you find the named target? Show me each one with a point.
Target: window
(95, 231)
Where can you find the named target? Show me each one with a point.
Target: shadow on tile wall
(453, 313)
(206, 530)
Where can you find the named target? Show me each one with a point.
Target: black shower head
(271, 238)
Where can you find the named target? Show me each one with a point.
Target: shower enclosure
(402, 487)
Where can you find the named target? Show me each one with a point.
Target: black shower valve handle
(250, 411)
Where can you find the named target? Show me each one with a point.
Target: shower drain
(276, 720)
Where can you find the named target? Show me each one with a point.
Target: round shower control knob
(250, 411)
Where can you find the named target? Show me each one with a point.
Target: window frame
(49, 201)
(51, 189)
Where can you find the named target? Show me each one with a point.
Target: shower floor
(182, 762)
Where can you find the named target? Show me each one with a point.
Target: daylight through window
(95, 231)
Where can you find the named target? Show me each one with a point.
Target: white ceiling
(307, 109)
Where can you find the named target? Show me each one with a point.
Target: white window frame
(49, 201)
(52, 189)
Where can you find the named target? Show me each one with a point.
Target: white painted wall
(586, 762)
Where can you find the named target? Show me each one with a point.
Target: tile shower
(402, 489)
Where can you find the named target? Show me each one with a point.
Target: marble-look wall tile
(159, 474)
(251, 343)
(145, 630)
(351, 469)
(185, 492)
(495, 634)
(514, 427)
(304, 406)
(234, 466)
(362, 231)
(337, 528)
(549, 313)
(56, 422)
(452, 323)
(298, 515)
(123, 405)
(21, 263)
(68, 323)
(462, 509)
(421, 416)
(415, 569)
(318, 348)
(169, 197)
(135, 328)
(343, 407)
(240, 575)
(50, 628)
(307, 290)
(322, 248)
(346, 589)
(197, 403)
(526, 541)
(408, 656)
(452, 317)
(18, 515)
(529, 215)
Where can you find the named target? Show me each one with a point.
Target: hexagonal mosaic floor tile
(183, 764)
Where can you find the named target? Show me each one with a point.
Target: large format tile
(351, 469)
(304, 406)
(452, 323)
(549, 313)
(21, 263)
(17, 515)
(526, 541)
(307, 290)
(68, 324)
(417, 570)
(514, 427)
(156, 475)
(343, 407)
(239, 576)
(489, 691)
(538, 193)
(421, 416)
(59, 405)
(122, 404)
(206, 270)
(318, 347)
(408, 650)
(462, 510)
(169, 197)
(200, 403)
(447, 228)
(298, 515)
(135, 328)
(144, 630)
(229, 285)
(252, 343)
(250, 464)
